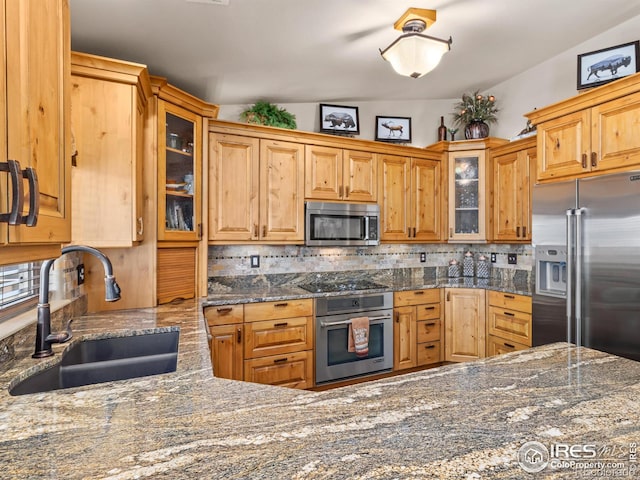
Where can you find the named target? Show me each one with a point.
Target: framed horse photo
(603, 66)
(393, 129)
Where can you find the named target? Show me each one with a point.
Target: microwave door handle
(347, 322)
(366, 228)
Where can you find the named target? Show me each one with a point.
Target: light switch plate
(80, 270)
(494, 257)
(423, 257)
(255, 261)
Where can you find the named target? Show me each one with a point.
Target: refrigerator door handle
(578, 280)
(570, 259)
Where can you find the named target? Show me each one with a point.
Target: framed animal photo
(393, 129)
(603, 66)
(339, 119)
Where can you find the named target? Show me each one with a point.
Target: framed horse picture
(393, 129)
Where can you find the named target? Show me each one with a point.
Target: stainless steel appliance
(341, 224)
(586, 240)
(333, 316)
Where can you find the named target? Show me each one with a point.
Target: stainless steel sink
(105, 360)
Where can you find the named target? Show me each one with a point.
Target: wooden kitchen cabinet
(410, 199)
(339, 174)
(464, 324)
(108, 100)
(226, 331)
(417, 328)
(35, 121)
(592, 133)
(513, 170)
(509, 324)
(256, 190)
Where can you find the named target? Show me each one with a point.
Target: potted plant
(475, 112)
(265, 113)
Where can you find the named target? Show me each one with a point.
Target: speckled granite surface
(459, 421)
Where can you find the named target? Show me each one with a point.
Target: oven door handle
(347, 322)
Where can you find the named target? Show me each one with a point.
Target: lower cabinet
(509, 322)
(417, 328)
(465, 324)
(267, 342)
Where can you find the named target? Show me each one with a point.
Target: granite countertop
(458, 421)
(259, 293)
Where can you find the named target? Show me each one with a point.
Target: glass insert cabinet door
(467, 196)
(179, 173)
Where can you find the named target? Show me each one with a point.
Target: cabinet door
(467, 196)
(359, 176)
(404, 338)
(614, 139)
(426, 200)
(233, 187)
(226, 351)
(564, 145)
(179, 173)
(465, 324)
(281, 191)
(37, 95)
(323, 173)
(293, 370)
(395, 206)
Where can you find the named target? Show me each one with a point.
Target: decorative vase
(476, 129)
(442, 131)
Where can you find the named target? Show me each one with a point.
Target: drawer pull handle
(239, 335)
(419, 292)
(224, 311)
(430, 324)
(429, 346)
(283, 324)
(511, 297)
(509, 314)
(280, 305)
(594, 159)
(509, 345)
(524, 231)
(518, 232)
(584, 160)
(280, 360)
(430, 308)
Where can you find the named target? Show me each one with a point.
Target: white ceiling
(297, 51)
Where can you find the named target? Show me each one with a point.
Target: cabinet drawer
(294, 370)
(275, 337)
(511, 301)
(497, 346)
(428, 331)
(510, 325)
(428, 353)
(256, 312)
(416, 297)
(224, 314)
(428, 312)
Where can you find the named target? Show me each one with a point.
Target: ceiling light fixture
(414, 54)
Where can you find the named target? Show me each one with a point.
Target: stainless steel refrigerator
(586, 243)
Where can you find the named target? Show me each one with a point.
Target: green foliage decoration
(475, 107)
(265, 113)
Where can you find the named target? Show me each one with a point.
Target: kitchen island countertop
(457, 421)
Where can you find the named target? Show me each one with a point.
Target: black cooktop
(337, 286)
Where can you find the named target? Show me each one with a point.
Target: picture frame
(339, 119)
(393, 129)
(608, 64)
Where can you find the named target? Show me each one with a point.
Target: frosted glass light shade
(414, 54)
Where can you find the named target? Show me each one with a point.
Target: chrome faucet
(44, 337)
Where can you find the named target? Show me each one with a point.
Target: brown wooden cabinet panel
(293, 370)
(510, 325)
(176, 277)
(404, 338)
(498, 346)
(255, 312)
(359, 176)
(428, 331)
(426, 205)
(225, 347)
(224, 314)
(395, 200)
(323, 173)
(429, 353)
(465, 324)
(275, 337)
(417, 297)
(510, 301)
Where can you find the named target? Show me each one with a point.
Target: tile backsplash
(235, 260)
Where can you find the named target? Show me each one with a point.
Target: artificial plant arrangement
(265, 113)
(475, 107)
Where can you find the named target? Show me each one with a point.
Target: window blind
(19, 288)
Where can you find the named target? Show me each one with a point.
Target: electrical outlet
(494, 257)
(423, 257)
(255, 261)
(512, 258)
(80, 270)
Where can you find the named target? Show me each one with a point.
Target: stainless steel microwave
(341, 224)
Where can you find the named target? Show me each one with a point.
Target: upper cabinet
(339, 174)
(410, 198)
(513, 170)
(595, 132)
(35, 124)
(108, 101)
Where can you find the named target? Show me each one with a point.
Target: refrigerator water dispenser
(551, 270)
